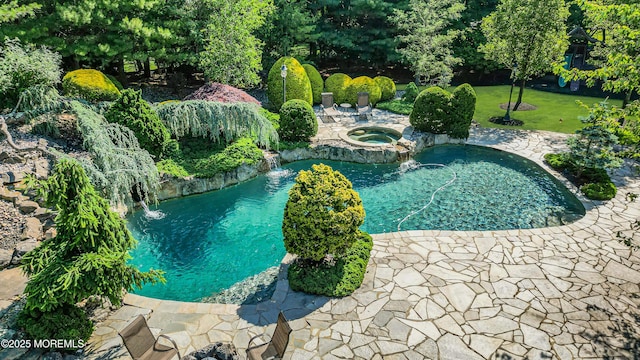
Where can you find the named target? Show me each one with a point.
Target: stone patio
(567, 292)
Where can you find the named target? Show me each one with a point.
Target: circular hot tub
(374, 135)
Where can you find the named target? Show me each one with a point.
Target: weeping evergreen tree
(88, 256)
(217, 121)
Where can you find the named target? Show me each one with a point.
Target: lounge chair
(364, 106)
(330, 114)
(141, 343)
(275, 348)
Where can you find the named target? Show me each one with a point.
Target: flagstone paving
(566, 292)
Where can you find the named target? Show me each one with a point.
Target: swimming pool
(208, 242)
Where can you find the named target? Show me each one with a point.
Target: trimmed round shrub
(605, 190)
(387, 87)
(317, 84)
(339, 279)
(363, 84)
(132, 111)
(463, 103)
(337, 84)
(322, 215)
(298, 84)
(89, 84)
(431, 111)
(221, 93)
(410, 92)
(297, 121)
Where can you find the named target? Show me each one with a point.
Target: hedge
(297, 81)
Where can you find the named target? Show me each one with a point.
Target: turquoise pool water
(208, 242)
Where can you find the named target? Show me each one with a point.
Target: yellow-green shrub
(298, 84)
(363, 84)
(387, 87)
(317, 84)
(89, 84)
(337, 84)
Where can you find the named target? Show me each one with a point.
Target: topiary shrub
(298, 84)
(317, 84)
(132, 111)
(322, 215)
(387, 87)
(221, 93)
(297, 121)
(363, 84)
(337, 84)
(339, 279)
(431, 111)
(89, 84)
(463, 103)
(410, 92)
(605, 190)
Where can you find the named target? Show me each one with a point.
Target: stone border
(344, 135)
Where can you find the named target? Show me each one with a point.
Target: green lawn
(551, 107)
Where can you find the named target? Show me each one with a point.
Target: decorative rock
(9, 195)
(5, 258)
(11, 177)
(32, 229)
(25, 246)
(42, 168)
(27, 207)
(6, 158)
(50, 233)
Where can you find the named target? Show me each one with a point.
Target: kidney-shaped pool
(208, 242)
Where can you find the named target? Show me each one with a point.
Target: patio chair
(364, 106)
(275, 348)
(141, 343)
(330, 110)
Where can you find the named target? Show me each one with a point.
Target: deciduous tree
(526, 34)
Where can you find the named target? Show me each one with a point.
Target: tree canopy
(526, 36)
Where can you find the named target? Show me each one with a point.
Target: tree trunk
(627, 99)
(519, 101)
(147, 68)
(122, 76)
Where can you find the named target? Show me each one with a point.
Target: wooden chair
(141, 343)
(275, 348)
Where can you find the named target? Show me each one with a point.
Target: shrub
(557, 161)
(599, 191)
(274, 118)
(431, 111)
(221, 93)
(363, 84)
(410, 92)
(317, 84)
(463, 103)
(337, 84)
(89, 84)
(298, 84)
(132, 111)
(67, 322)
(387, 87)
(171, 167)
(242, 151)
(322, 215)
(341, 279)
(297, 121)
(396, 106)
(24, 66)
(115, 82)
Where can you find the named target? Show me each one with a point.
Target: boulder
(32, 229)
(50, 233)
(27, 207)
(25, 246)
(5, 258)
(7, 158)
(9, 195)
(11, 177)
(41, 168)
